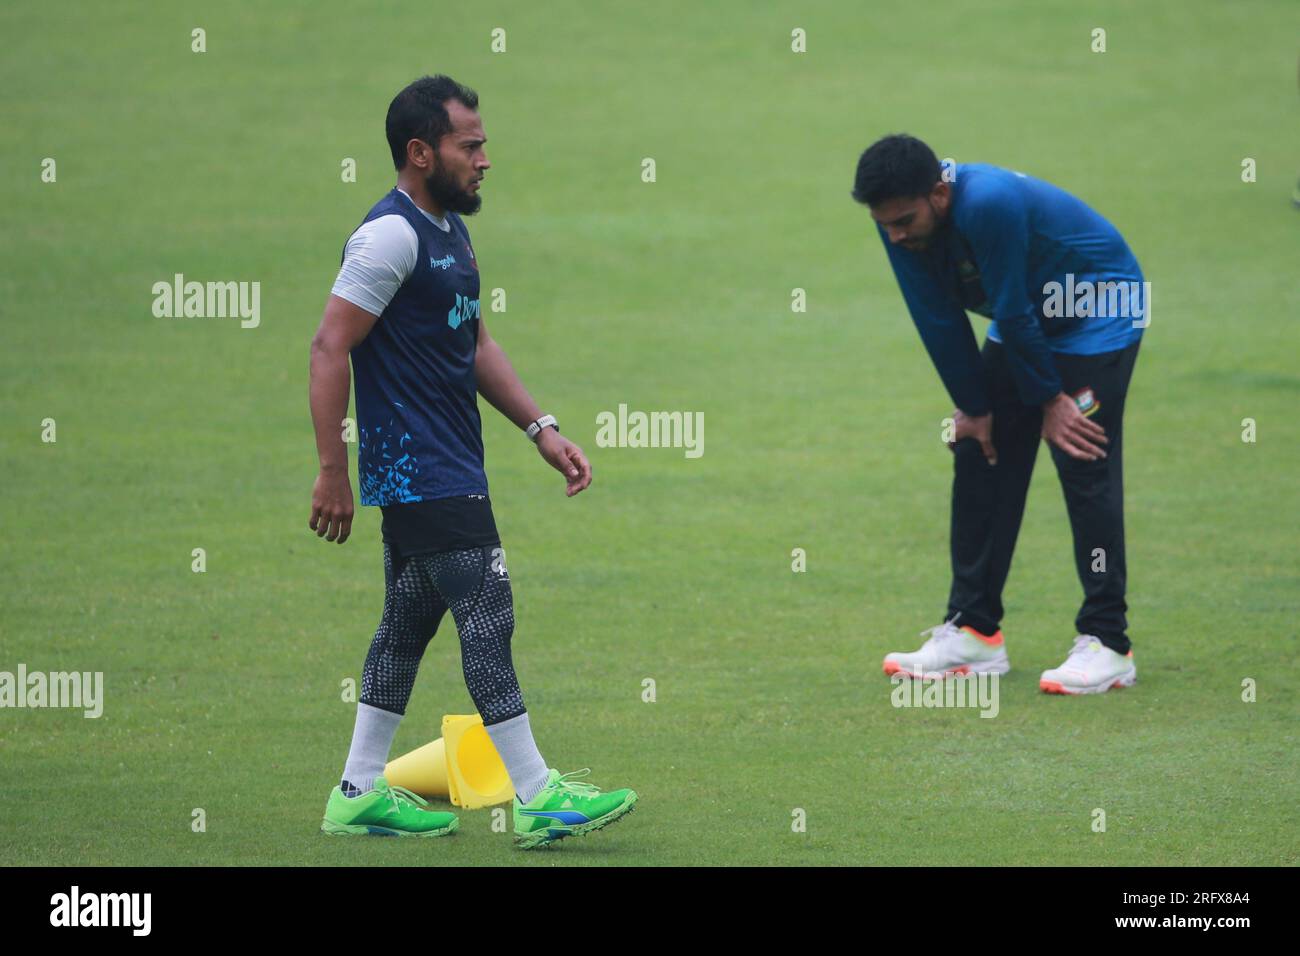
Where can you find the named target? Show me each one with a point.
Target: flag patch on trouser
(1086, 401)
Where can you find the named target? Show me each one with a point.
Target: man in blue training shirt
(1068, 305)
(405, 307)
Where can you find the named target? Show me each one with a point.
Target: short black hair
(419, 112)
(895, 167)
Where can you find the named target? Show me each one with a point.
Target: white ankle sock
(513, 739)
(372, 738)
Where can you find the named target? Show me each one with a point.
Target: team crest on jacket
(472, 260)
(1086, 401)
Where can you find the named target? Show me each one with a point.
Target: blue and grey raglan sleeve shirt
(1052, 274)
(419, 433)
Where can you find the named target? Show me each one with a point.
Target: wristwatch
(535, 429)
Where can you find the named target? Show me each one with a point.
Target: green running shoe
(566, 807)
(385, 811)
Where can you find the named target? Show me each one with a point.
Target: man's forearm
(328, 392)
(1033, 368)
(500, 385)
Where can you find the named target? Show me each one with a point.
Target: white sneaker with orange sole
(1091, 668)
(951, 650)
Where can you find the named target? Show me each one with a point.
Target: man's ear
(941, 196)
(419, 154)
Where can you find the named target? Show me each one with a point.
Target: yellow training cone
(475, 773)
(463, 766)
(423, 771)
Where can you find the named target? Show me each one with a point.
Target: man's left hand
(566, 458)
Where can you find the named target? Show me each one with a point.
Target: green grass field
(822, 428)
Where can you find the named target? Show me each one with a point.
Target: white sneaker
(951, 650)
(1091, 668)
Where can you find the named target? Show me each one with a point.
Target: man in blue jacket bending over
(1068, 305)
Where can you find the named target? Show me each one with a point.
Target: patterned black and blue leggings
(418, 590)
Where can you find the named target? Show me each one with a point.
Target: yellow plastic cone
(463, 766)
(475, 773)
(423, 771)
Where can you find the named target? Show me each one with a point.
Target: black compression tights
(418, 590)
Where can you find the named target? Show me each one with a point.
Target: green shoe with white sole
(385, 811)
(566, 807)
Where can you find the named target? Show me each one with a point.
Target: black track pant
(988, 501)
(419, 590)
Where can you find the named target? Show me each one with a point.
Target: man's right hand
(342, 327)
(979, 427)
(331, 505)
(1069, 430)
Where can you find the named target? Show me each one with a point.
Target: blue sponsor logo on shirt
(464, 310)
(446, 262)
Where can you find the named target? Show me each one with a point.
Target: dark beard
(450, 197)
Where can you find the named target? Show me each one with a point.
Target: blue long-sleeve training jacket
(1052, 274)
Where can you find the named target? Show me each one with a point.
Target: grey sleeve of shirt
(378, 258)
